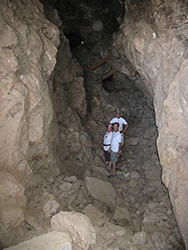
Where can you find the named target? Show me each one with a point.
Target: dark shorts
(106, 155)
(113, 157)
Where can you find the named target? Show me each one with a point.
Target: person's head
(109, 128)
(116, 126)
(118, 113)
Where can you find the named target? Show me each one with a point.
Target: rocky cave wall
(31, 140)
(28, 48)
(154, 38)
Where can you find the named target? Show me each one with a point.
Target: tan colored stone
(50, 208)
(111, 231)
(101, 190)
(13, 202)
(77, 226)
(50, 241)
(122, 214)
(162, 65)
(97, 218)
(132, 141)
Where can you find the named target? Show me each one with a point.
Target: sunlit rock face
(154, 38)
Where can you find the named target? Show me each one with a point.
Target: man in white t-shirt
(115, 148)
(121, 122)
(106, 145)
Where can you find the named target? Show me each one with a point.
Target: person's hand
(118, 155)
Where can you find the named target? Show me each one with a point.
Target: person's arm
(126, 126)
(119, 149)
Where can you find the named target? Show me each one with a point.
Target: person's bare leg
(109, 165)
(114, 169)
(119, 167)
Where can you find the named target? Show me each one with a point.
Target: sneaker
(119, 169)
(111, 176)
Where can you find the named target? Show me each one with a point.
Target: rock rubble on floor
(132, 211)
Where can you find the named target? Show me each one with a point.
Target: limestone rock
(12, 201)
(133, 183)
(135, 175)
(160, 241)
(32, 223)
(71, 179)
(50, 241)
(159, 55)
(78, 96)
(140, 238)
(139, 43)
(77, 226)
(97, 218)
(66, 187)
(111, 231)
(172, 143)
(132, 140)
(122, 216)
(150, 217)
(50, 208)
(27, 52)
(101, 190)
(149, 132)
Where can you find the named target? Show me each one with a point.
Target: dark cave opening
(75, 39)
(79, 19)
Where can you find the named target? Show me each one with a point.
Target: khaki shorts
(113, 157)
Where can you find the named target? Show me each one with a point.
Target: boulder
(13, 202)
(101, 190)
(97, 218)
(50, 208)
(50, 241)
(122, 216)
(77, 226)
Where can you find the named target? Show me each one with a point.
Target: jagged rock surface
(50, 241)
(153, 37)
(77, 226)
(28, 47)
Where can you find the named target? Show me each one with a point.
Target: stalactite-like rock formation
(153, 37)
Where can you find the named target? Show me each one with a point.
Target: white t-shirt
(121, 121)
(116, 139)
(107, 140)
